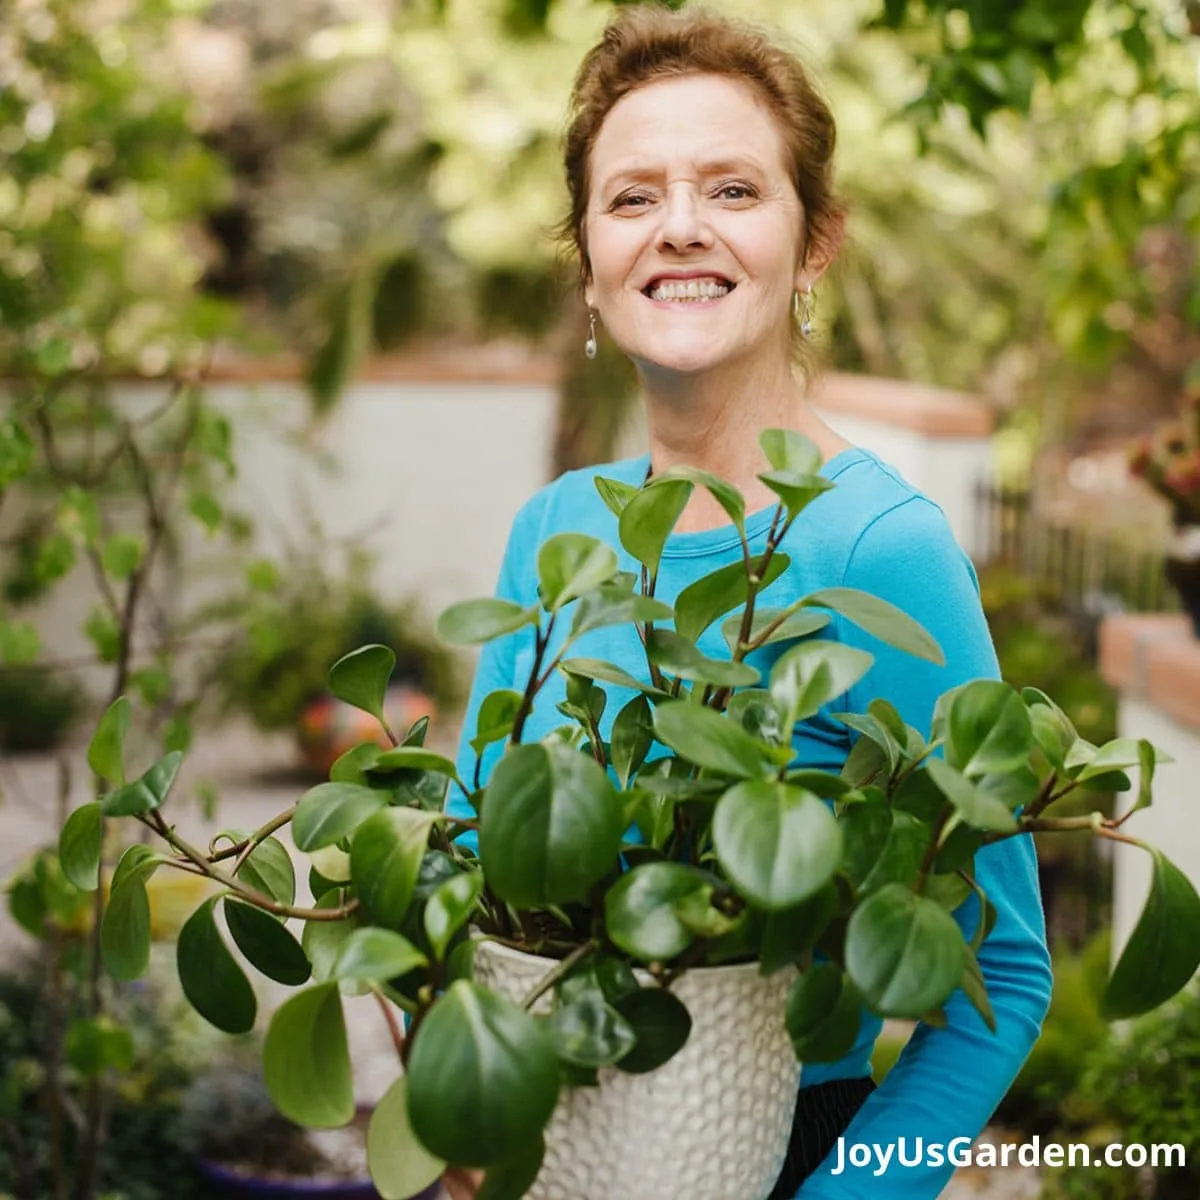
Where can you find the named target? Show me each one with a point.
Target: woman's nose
(683, 222)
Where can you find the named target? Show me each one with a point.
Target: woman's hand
(461, 1184)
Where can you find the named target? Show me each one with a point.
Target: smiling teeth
(691, 289)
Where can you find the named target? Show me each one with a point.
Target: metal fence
(1085, 573)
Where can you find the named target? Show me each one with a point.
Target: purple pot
(236, 1184)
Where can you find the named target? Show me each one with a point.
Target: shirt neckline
(723, 537)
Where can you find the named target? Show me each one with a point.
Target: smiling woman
(702, 210)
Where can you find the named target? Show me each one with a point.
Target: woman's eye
(736, 191)
(635, 200)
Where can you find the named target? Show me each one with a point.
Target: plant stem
(931, 850)
(243, 850)
(531, 687)
(560, 971)
(389, 1016)
(258, 899)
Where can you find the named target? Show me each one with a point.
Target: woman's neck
(708, 423)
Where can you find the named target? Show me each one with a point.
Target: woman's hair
(646, 43)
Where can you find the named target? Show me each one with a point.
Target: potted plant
(1168, 460)
(566, 977)
(292, 623)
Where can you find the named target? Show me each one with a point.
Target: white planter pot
(711, 1124)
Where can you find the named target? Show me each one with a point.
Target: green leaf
(794, 625)
(96, 1046)
(632, 738)
(1146, 762)
(204, 507)
(589, 1032)
(550, 827)
(870, 728)
(648, 518)
(724, 493)
(353, 765)
(147, 793)
(569, 564)
(881, 620)
(214, 984)
(106, 751)
(269, 870)
(267, 943)
(16, 452)
(497, 714)
(640, 910)
(322, 941)
(450, 907)
(361, 677)
(306, 1059)
(472, 622)
(593, 668)
(615, 493)
(80, 844)
(777, 843)
(1054, 738)
(977, 808)
(348, 330)
(787, 450)
(679, 657)
(483, 1077)
(790, 934)
(400, 1166)
(904, 952)
(385, 860)
(612, 606)
(413, 758)
(331, 811)
(813, 674)
(122, 554)
(1116, 756)
(796, 490)
(823, 1013)
(883, 845)
(513, 1178)
(988, 729)
(125, 928)
(1163, 952)
(710, 740)
(137, 859)
(975, 989)
(377, 954)
(660, 1022)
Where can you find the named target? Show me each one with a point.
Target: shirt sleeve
(948, 1081)
(496, 668)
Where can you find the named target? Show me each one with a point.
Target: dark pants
(822, 1114)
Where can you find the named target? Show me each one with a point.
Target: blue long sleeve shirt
(875, 532)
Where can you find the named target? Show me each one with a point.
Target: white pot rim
(722, 970)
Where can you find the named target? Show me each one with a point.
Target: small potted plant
(293, 623)
(1168, 460)
(566, 997)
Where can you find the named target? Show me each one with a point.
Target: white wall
(430, 473)
(946, 469)
(1169, 824)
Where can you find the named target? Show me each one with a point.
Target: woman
(702, 210)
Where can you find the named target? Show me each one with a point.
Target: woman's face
(694, 229)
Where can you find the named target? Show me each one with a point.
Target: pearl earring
(589, 347)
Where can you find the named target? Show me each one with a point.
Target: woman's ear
(821, 249)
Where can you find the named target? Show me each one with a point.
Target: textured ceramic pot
(711, 1124)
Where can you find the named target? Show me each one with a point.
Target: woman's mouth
(688, 291)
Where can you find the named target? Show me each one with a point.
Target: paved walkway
(256, 778)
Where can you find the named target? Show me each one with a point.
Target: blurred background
(285, 341)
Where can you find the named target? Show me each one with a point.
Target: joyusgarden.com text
(881, 1158)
